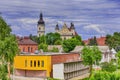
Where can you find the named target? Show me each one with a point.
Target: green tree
(42, 39)
(54, 49)
(93, 41)
(78, 37)
(118, 59)
(43, 46)
(3, 72)
(58, 42)
(113, 41)
(8, 44)
(51, 38)
(69, 44)
(34, 38)
(109, 67)
(90, 56)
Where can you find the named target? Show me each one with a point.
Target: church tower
(41, 26)
(72, 28)
(57, 28)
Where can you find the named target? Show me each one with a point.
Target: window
(31, 63)
(23, 49)
(39, 28)
(34, 63)
(38, 63)
(25, 63)
(31, 49)
(28, 49)
(42, 64)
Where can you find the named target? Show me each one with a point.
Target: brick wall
(62, 58)
(24, 48)
(19, 72)
(30, 73)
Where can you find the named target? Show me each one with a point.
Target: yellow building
(32, 65)
(41, 65)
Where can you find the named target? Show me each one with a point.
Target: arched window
(25, 63)
(34, 63)
(42, 64)
(31, 63)
(23, 49)
(31, 49)
(28, 49)
(38, 63)
(39, 28)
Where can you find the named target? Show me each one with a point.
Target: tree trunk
(8, 67)
(90, 71)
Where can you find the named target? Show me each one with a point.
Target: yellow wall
(24, 62)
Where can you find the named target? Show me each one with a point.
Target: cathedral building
(41, 26)
(65, 31)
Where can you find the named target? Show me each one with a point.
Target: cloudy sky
(90, 17)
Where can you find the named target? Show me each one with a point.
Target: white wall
(58, 71)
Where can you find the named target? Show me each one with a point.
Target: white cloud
(27, 20)
(106, 13)
(94, 27)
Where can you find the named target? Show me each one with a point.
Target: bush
(43, 46)
(54, 49)
(103, 75)
(58, 42)
(3, 72)
(69, 44)
(109, 67)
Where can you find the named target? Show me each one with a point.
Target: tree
(109, 67)
(90, 56)
(3, 72)
(113, 41)
(69, 44)
(78, 38)
(54, 49)
(58, 42)
(51, 38)
(34, 38)
(42, 39)
(118, 59)
(8, 45)
(43, 46)
(93, 41)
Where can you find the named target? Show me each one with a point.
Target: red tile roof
(100, 41)
(25, 41)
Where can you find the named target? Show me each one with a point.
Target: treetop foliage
(113, 41)
(91, 55)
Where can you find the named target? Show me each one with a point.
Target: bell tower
(40, 26)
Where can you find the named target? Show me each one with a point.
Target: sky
(90, 17)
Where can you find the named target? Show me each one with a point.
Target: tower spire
(57, 27)
(41, 21)
(72, 26)
(41, 16)
(40, 26)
